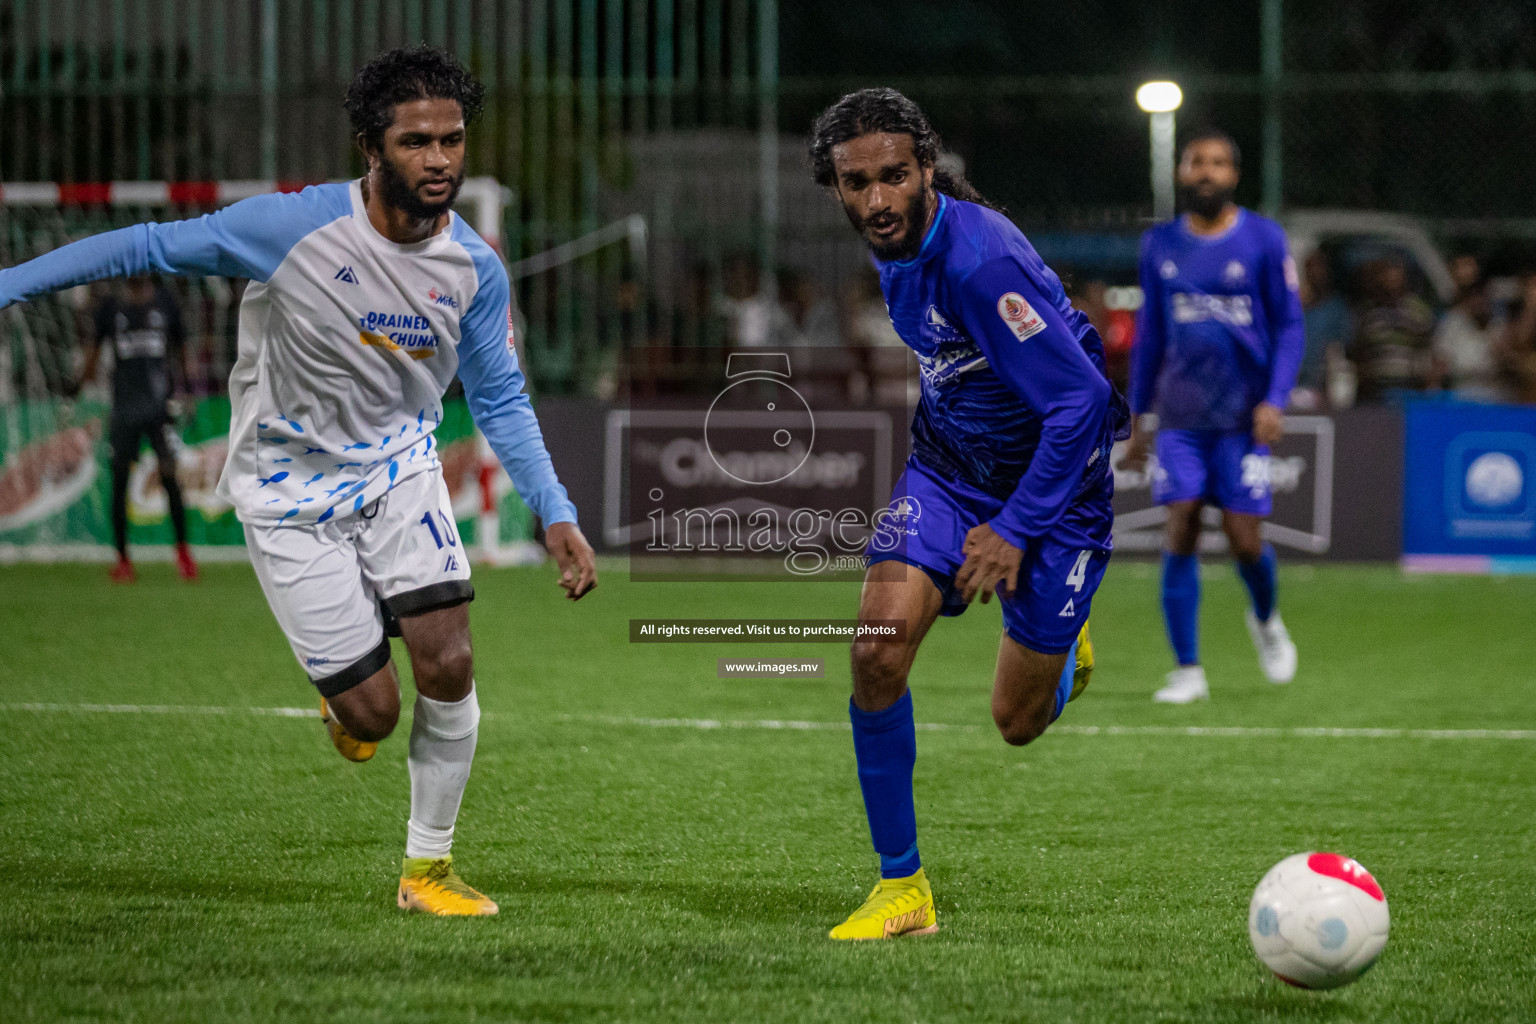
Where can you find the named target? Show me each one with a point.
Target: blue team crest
(897, 520)
(936, 330)
(1235, 273)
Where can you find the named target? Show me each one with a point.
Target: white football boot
(1272, 642)
(1186, 684)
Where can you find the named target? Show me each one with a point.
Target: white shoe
(1272, 641)
(1186, 684)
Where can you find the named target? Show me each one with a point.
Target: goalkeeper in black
(142, 325)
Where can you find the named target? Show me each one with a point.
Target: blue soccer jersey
(1220, 328)
(1015, 401)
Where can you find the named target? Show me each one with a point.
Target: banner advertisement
(1470, 493)
(56, 482)
(1300, 471)
(747, 463)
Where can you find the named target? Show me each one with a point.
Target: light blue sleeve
(247, 239)
(493, 383)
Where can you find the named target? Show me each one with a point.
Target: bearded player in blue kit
(1219, 342)
(1008, 487)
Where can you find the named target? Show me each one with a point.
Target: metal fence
(676, 110)
(101, 90)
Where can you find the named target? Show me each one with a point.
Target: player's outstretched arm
(493, 384)
(248, 239)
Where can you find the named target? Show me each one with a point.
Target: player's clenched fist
(1268, 423)
(989, 561)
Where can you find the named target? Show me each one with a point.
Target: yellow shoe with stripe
(346, 746)
(431, 886)
(1082, 670)
(898, 906)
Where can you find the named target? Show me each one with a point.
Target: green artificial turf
(190, 866)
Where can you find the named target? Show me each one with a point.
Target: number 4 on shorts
(1075, 579)
(1079, 574)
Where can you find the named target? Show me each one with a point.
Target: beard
(905, 247)
(396, 191)
(1205, 200)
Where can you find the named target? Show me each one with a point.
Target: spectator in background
(1517, 352)
(754, 319)
(866, 322)
(1391, 347)
(1466, 342)
(889, 367)
(1329, 322)
(812, 318)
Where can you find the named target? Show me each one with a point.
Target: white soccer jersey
(347, 343)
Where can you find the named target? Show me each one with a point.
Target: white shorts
(334, 585)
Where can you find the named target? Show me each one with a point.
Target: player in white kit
(366, 299)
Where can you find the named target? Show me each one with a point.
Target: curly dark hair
(409, 73)
(871, 111)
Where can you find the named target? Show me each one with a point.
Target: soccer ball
(1318, 920)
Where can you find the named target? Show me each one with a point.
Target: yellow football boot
(1082, 670)
(898, 906)
(346, 746)
(431, 886)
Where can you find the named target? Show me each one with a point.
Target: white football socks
(442, 746)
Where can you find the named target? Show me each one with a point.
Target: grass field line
(1240, 731)
(165, 709)
(794, 725)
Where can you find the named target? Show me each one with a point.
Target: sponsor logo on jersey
(401, 332)
(1019, 316)
(443, 300)
(1196, 307)
(511, 334)
(943, 367)
(345, 274)
(145, 343)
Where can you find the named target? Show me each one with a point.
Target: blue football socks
(885, 744)
(1064, 687)
(1260, 579)
(1181, 605)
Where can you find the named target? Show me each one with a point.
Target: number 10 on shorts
(453, 540)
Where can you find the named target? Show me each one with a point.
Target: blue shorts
(1222, 467)
(925, 526)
